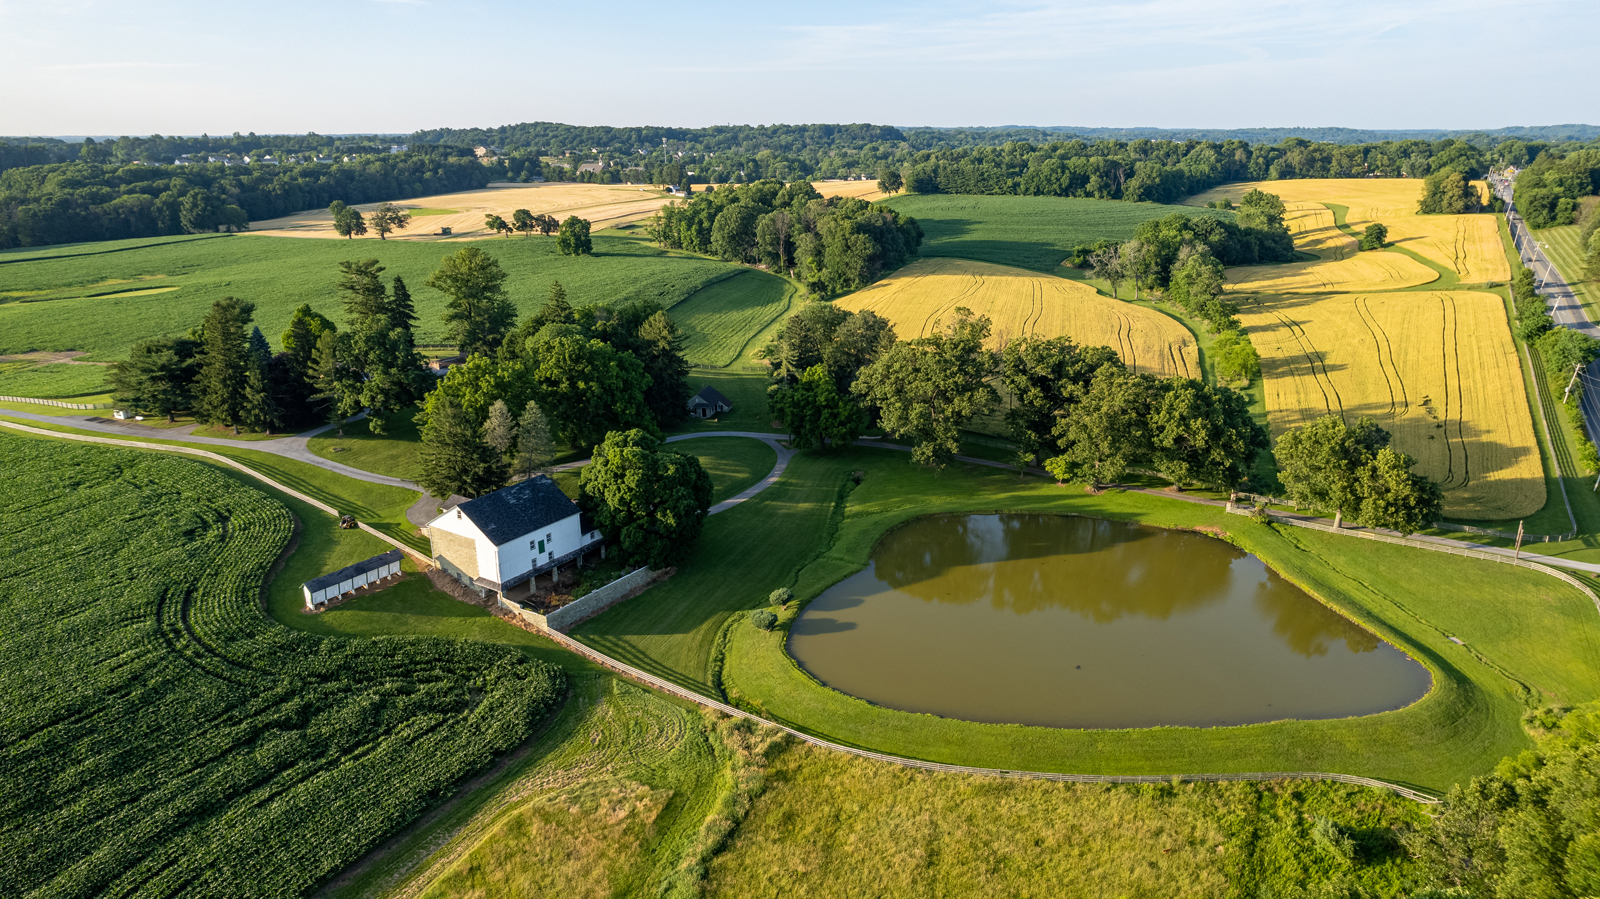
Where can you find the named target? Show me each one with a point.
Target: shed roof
(524, 507)
(711, 397)
(350, 571)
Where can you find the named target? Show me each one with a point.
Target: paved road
(288, 447)
(1563, 302)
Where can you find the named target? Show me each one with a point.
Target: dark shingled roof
(345, 574)
(711, 397)
(524, 507)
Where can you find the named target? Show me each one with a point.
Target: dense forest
(53, 191)
(79, 201)
(830, 244)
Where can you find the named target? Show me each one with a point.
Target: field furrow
(1446, 385)
(1022, 303)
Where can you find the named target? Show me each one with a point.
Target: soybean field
(163, 736)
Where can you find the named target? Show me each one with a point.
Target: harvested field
(1467, 244)
(919, 296)
(1314, 231)
(1438, 370)
(866, 190)
(604, 205)
(1357, 272)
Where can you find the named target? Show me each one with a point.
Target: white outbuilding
(322, 590)
(506, 538)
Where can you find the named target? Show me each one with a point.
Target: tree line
(831, 244)
(1564, 351)
(1076, 411)
(79, 201)
(1549, 191)
(226, 373)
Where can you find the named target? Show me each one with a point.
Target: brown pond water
(1078, 622)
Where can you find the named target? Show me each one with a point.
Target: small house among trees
(509, 537)
(708, 402)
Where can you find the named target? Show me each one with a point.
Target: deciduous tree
(1043, 378)
(650, 501)
(523, 221)
(574, 237)
(497, 224)
(1204, 434)
(1106, 430)
(588, 388)
(477, 312)
(927, 389)
(387, 219)
(816, 412)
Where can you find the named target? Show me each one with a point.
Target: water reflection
(1044, 619)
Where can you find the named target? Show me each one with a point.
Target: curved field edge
(260, 768)
(1468, 721)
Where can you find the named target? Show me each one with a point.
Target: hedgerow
(163, 736)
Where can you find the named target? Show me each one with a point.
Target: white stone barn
(506, 538)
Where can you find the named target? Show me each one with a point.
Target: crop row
(165, 737)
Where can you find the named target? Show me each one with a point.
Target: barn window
(532, 544)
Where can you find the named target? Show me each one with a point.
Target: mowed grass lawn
(280, 273)
(1528, 636)
(1027, 232)
(719, 320)
(392, 453)
(55, 380)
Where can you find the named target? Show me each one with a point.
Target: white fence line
(669, 687)
(57, 403)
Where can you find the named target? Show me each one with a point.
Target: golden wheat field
(866, 190)
(1314, 231)
(916, 298)
(1467, 244)
(1357, 272)
(1437, 369)
(604, 205)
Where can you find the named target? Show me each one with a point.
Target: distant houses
(502, 541)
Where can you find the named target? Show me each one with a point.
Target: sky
(74, 67)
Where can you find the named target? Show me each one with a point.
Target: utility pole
(1575, 369)
(1518, 553)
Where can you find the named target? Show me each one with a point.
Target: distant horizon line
(1051, 129)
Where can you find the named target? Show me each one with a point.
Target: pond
(1079, 622)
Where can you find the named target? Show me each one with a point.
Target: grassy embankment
(1562, 246)
(786, 537)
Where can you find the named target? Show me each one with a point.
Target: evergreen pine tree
(330, 381)
(260, 411)
(535, 448)
(455, 459)
(221, 388)
(500, 429)
(402, 312)
(557, 310)
(259, 348)
(361, 289)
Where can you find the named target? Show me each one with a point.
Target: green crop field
(784, 537)
(53, 380)
(45, 301)
(164, 736)
(1027, 232)
(720, 319)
